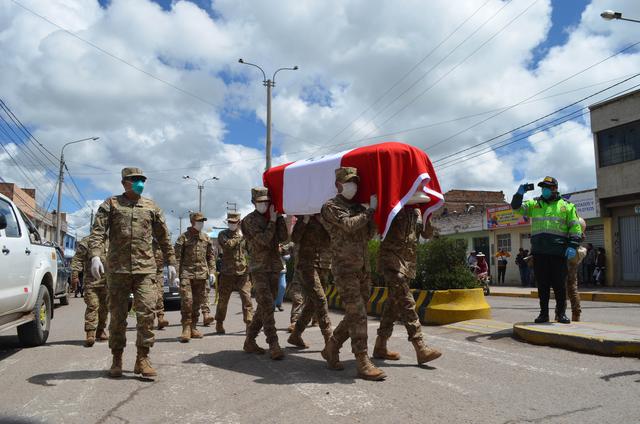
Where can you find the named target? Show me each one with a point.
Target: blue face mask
(137, 187)
(546, 193)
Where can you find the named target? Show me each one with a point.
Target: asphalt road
(479, 379)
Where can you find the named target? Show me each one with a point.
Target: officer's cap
(233, 217)
(347, 173)
(260, 194)
(197, 216)
(132, 172)
(548, 182)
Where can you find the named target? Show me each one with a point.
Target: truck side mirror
(3, 222)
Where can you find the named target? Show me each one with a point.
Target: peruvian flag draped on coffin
(393, 171)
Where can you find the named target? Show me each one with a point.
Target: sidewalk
(595, 294)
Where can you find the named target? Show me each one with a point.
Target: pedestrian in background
(589, 265)
(601, 264)
(285, 255)
(523, 267)
(472, 260)
(502, 256)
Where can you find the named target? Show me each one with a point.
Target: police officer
(162, 322)
(555, 237)
(350, 226)
(196, 265)
(233, 274)
(263, 230)
(311, 238)
(130, 222)
(397, 260)
(95, 294)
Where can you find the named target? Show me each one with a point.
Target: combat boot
(424, 353)
(143, 363)
(250, 346)
(102, 336)
(162, 323)
(366, 369)
(331, 354)
(562, 319)
(380, 350)
(207, 319)
(91, 339)
(575, 316)
(186, 333)
(275, 351)
(296, 339)
(195, 334)
(116, 365)
(220, 327)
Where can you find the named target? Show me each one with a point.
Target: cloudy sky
(159, 82)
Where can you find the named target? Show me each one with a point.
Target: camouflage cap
(260, 194)
(233, 217)
(132, 172)
(197, 216)
(548, 182)
(346, 173)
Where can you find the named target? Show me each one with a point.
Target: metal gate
(595, 235)
(630, 247)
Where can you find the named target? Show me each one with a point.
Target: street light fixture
(200, 187)
(269, 83)
(180, 217)
(61, 180)
(609, 15)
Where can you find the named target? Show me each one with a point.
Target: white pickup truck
(28, 275)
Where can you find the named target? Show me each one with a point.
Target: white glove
(212, 278)
(176, 282)
(172, 272)
(306, 219)
(97, 269)
(272, 213)
(373, 202)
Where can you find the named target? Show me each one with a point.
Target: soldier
(96, 296)
(295, 294)
(130, 222)
(311, 238)
(263, 230)
(572, 276)
(350, 226)
(322, 266)
(162, 323)
(196, 265)
(397, 264)
(233, 274)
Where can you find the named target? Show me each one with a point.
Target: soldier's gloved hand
(172, 272)
(306, 219)
(273, 215)
(176, 282)
(97, 269)
(373, 202)
(212, 278)
(570, 253)
(522, 189)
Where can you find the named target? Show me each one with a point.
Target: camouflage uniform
(295, 293)
(130, 226)
(572, 282)
(159, 281)
(95, 293)
(351, 227)
(311, 239)
(196, 261)
(263, 237)
(233, 275)
(322, 265)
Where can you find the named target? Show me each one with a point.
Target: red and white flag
(393, 171)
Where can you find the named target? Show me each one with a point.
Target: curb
(584, 296)
(578, 339)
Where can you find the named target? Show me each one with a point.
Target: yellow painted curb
(449, 306)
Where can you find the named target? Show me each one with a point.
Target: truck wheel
(36, 332)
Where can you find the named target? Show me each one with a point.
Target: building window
(504, 242)
(619, 144)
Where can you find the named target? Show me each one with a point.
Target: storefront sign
(503, 217)
(586, 203)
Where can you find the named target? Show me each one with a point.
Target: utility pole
(60, 181)
(269, 83)
(200, 187)
(232, 207)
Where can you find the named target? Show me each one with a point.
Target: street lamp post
(609, 15)
(200, 187)
(179, 219)
(269, 83)
(61, 180)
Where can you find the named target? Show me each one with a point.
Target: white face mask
(198, 225)
(262, 207)
(233, 227)
(419, 197)
(349, 190)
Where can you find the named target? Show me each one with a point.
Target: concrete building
(615, 125)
